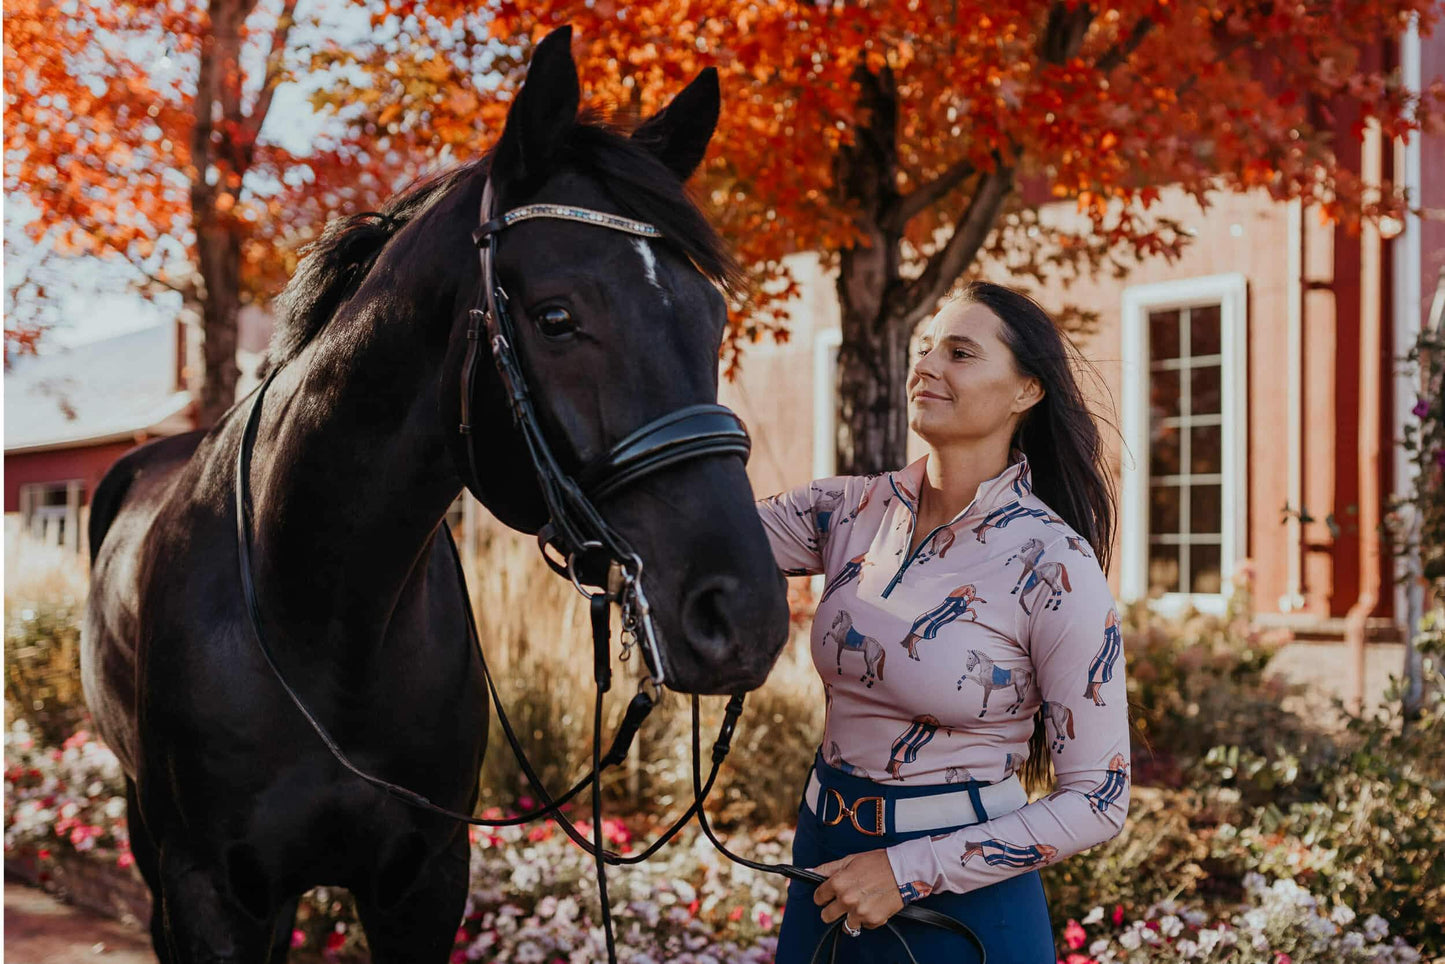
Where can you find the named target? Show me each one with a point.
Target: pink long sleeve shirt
(934, 662)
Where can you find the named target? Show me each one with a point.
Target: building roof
(96, 392)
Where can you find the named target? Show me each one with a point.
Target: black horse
(235, 806)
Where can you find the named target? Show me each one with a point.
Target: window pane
(1206, 509)
(1163, 509)
(1163, 568)
(1164, 393)
(1204, 330)
(1204, 573)
(1163, 335)
(1205, 449)
(1205, 390)
(1164, 456)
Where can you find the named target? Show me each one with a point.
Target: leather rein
(576, 531)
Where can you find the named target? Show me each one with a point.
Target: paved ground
(41, 930)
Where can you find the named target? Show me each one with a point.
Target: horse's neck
(352, 477)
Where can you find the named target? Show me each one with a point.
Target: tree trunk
(221, 154)
(220, 258)
(872, 404)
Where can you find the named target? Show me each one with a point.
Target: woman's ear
(1030, 393)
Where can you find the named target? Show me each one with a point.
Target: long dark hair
(1061, 439)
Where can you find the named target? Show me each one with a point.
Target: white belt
(874, 815)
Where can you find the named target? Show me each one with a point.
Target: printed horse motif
(959, 603)
(1000, 518)
(1111, 789)
(1061, 718)
(1037, 574)
(824, 506)
(1101, 670)
(957, 775)
(1001, 853)
(850, 640)
(834, 759)
(985, 673)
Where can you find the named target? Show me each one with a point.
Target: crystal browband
(584, 215)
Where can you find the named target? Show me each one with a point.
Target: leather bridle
(575, 528)
(575, 531)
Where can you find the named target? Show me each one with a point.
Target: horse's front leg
(987, 690)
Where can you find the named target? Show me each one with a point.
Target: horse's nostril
(705, 616)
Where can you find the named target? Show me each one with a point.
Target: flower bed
(533, 899)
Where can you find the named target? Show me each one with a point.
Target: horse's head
(614, 331)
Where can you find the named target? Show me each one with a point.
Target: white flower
(1129, 940)
(1353, 941)
(1376, 928)
(1341, 914)
(1094, 916)
(1098, 947)
(1254, 882)
(529, 953)
(1255, 919)
(1170, 926)
(1187, 949)
(1194, 917)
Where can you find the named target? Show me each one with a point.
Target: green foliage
(42, 669)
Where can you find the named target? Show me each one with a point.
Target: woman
(975, 562)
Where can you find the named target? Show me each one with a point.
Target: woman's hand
(861, 887)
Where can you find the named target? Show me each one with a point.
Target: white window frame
(1230, 292)
(825, 412)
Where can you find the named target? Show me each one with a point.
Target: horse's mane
(334, 265)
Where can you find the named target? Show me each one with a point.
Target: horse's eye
(556, 322)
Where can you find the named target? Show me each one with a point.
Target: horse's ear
(543, 113)
(678, 134)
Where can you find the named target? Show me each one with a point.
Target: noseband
(575, 529)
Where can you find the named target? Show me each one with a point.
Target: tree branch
(969, 233)
(1064, 33)
(905, 209)
(275, 63)
(188, 291)
(1121, 51)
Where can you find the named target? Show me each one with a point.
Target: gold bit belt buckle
(852, 813)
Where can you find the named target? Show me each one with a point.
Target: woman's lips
(929, 396)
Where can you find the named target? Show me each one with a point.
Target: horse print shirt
(934, 662)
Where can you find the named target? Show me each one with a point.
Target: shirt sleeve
(799, 521)
(1078, 661)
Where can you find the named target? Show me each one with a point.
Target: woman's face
(964, 384)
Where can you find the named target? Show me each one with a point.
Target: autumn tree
(139, 131)
(906, 142)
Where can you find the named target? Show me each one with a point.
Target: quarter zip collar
(1010, 485)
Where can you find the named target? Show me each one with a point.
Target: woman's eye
(555, 322)
(960, 353)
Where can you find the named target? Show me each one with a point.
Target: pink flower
(1074, 935)
(298, 938)
(1078, 959)
(1118, 914)
(765, 920)
(736, 914)
(124, 860)
(1421, 409)
(334, 941)
(1280, 957)
(461, 937)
